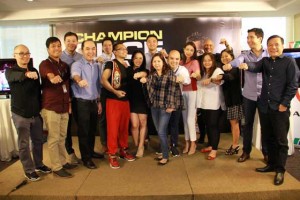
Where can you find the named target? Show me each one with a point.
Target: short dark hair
(51, 40)
(82, 45)
(70, 34)
(108, 39)
(143, 65)
(116, 45)
(229, 51)
(151, 35)
(275, 36)
(258, 32)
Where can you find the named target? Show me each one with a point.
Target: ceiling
(51, 11)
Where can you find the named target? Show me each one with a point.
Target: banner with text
(171, 33)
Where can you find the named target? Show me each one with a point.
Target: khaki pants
(57, 125)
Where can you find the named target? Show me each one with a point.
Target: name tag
(64, 88)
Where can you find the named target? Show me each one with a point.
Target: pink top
(192, 67)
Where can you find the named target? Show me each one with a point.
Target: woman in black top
(233, 99)
(137, 101)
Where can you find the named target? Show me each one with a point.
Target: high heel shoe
(192, 150)
(205, 150)
(212, 155)
(140, 152)
(232, 150)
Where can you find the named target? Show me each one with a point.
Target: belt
(86, 100)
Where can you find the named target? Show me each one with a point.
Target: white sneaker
(74, 159)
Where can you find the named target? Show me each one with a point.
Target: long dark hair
(213, 67)
(194, 56)
(143, 65)
(165, 67)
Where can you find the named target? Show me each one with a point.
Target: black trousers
(68, 142)
(247, 128)
(102, 122)
(275, 126)
(201, 125)
(173, 126)
(212, 118)
(85, 115)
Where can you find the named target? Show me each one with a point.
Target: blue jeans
(247, 129)
(161, 120)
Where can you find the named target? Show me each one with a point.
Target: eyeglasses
(22, 54)
(122, 49)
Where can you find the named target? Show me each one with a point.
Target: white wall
(270, 26)
(33, 36)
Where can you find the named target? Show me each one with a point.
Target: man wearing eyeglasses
(115, 80)
(25, 107)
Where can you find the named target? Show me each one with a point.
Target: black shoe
(63, 173)
(33, 176)
(97, 155)
(232, 150)
(279, 178)
(243, 157)
(200, 141)
(174, 151)
(69, 166)
(44, 169)
(89, 164)
(267, 168)
(163, 163)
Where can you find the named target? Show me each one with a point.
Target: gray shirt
(253, 81)
(70, 59)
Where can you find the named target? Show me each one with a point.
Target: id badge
(64, 88)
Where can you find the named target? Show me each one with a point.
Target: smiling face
(189, 51)
(275, 47)
(208, 46)
(71, 43)
(55, 50)
(158, 64)
(253, 41)
(174, 59)
(89, 50)
(152, 44)
(107, 47)
(121, 51)
(207, 62)
(226, 58)
(22, 55)
(138, 59)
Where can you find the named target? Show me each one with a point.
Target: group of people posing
(156, 87)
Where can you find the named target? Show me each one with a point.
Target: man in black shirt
(280, 84)
(25, 107)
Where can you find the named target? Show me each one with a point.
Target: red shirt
(55, 97)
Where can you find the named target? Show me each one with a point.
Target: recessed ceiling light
(30, 0)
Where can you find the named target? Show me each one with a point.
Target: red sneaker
(113, 162)
(125, 155)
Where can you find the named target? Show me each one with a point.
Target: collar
(88, 62)
(54, 61)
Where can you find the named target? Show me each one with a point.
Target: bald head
(20, 46)
(22, 55)
(208, 46)
(173, 59)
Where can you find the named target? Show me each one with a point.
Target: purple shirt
(253, 81)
